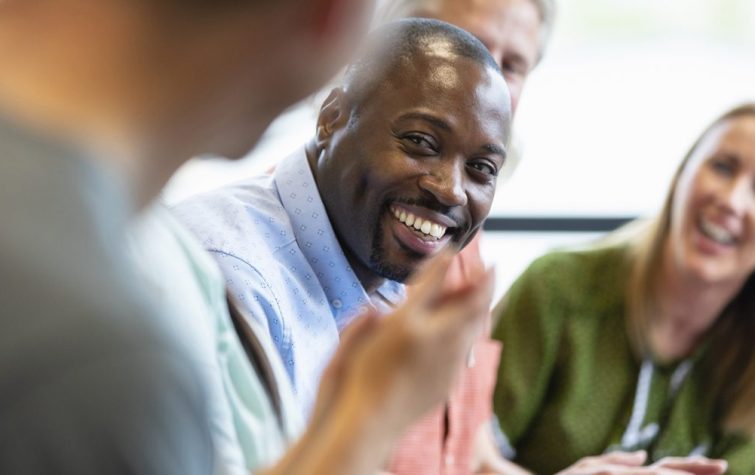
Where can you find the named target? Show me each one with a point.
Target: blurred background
(623, 90)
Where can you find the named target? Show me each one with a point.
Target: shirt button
(337, 303)
(449, 459)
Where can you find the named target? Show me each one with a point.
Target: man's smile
(419, 229)
(425, 227)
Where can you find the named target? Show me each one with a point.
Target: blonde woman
(645, 341)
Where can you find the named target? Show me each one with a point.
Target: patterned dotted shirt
(280, 256)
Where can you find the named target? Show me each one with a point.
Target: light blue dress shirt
(282, 260)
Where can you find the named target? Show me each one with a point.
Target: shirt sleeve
(263, 439)
(252, 291)
(529, 324)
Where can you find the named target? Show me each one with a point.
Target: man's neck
(370, 281)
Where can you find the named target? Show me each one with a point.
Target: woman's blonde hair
(733, 371)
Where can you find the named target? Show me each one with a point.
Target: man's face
(414, 169)
(510, 29)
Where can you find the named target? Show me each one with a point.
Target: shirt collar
(318, 242)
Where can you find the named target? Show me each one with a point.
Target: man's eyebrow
(492, 148)
(440, 123)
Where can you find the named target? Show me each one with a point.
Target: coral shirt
(431, 448)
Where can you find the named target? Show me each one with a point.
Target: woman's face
(712, 235)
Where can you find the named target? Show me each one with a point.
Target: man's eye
(485, 167)
(421, 143)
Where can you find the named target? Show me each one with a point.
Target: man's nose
(446, 183)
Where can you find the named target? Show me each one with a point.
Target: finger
(357, 330)
(351, 338)
(617, 469)
(427, 282)
(471, 258)
(479, 290)
(628, 459)
(331, 381)
(696, 465)
(455, 275)
(464, 312)
(664, 471)
(465, 267)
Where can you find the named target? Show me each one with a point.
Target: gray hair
(395, 9)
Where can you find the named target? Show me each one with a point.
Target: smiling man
(402, 165)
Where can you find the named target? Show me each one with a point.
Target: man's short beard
(379, 264)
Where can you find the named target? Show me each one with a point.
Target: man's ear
(334, 115)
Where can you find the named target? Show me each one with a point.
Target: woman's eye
(723, 167)
(511, 68)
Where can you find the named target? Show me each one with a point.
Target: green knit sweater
(569, 383)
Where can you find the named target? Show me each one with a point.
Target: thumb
(427, 283)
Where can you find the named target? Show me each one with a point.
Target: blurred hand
(403, 364)
(465, 266)
(623, 463)
(695, 465)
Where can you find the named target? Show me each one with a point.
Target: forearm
(352, 440)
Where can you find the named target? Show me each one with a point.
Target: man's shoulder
(250, 236)
(240, 220)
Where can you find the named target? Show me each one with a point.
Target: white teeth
(716, 232)
(426, 226)
(423, 225)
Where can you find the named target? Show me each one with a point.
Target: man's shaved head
(399, 43)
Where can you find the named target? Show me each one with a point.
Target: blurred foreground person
(100, 103)
(644, 342)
